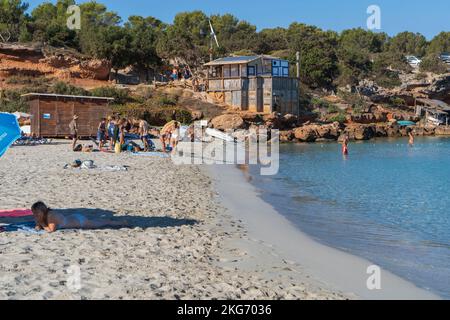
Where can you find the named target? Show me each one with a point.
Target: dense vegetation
(328, 59)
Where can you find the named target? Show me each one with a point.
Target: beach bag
(78, 148)
(89, 164)
(118, 147)
(76, 164)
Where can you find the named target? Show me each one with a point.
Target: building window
(276, 71)
(216, 72)
(267, 65)
(226, 71)
(251, 71)
(243, 70)
(234, 71)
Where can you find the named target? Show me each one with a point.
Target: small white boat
(219, 135)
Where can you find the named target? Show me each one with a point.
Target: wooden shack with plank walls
(51, 114)
(254, 83)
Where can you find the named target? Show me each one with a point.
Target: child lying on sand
(50, 221)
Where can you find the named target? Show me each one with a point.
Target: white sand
(183, 243)
(336, 268)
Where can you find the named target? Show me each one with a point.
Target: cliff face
(22, 60)
(432, 86)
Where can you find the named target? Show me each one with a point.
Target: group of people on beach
(113, 131)
(110, 130)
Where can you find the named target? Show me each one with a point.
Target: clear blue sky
(427, 17)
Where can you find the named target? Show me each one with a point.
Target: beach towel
(15, 213)
(27, 227)
(114, 168)
(152, 154)
(89, 165)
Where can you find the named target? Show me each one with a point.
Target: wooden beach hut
(255, 83)
(52, 113)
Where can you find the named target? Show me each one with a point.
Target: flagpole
(211, 41)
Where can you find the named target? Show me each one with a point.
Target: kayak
(219, 135)
(406, 123)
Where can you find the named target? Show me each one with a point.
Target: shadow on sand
(128, 222)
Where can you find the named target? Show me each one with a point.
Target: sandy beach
(182, 242)
(337, 268)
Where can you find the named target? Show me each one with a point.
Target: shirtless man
(143, 132)
(73, 128)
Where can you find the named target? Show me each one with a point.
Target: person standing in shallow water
(345, 145)
(411, 137)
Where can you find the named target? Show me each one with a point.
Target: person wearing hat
(73, 127)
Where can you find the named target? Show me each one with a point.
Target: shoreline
(179, 242)
(341, 271)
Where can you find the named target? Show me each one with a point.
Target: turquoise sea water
(387, 202)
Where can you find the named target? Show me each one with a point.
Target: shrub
(144, 92)
(341, 118)
(166, 100)
(160, 116)
(332, 109)
(121, 96)
(27, 80)
(11, 101)
(396, 101)
(154, 115)
(358, 103)
(432, 63)
(388, 79)
(61, 87)
(318, 103)
(390, 60)
(421, 76)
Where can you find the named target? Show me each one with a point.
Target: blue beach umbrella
(9, 131)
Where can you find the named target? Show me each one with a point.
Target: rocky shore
(291, 131)
(335, 131)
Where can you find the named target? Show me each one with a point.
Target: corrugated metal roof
(435, 103)
(232, 60)
(239, 60)
(27, 95)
